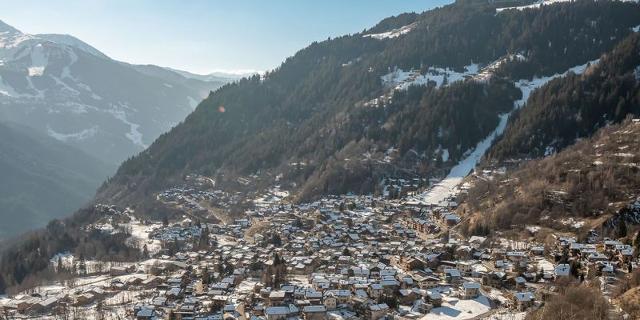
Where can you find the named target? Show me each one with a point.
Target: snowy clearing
(454, 308)
(536, 5)
(393, 33)
(402, 80)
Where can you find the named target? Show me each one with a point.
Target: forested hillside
(310, 109)
(586, 183)
(576, 106)
(42, 179)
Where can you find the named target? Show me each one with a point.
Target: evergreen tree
(3, 285)
(622, 229)
(60, 266)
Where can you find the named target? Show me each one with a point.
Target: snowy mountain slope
(65, 88)
(337, 105)
(72, 42)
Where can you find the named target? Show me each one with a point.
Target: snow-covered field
(458, 309)
(68, 261)
(536, 5)
(508, 316)
(140, 235)
(545, 265)
(402, 80)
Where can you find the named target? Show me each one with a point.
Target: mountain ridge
(65, 88)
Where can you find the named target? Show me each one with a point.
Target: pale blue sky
(203, 35)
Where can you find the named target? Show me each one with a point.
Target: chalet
(465, 267)
(119, 271)
(516, 256)
(376, 290)
(562, 270)
(407, 297)
(452, 276)
(278, 313)
(44, 306)
(174, 293)
(316, 312)
(434, 298)
(377, 311)
(470, 290)
(451, 219)
(426, 282)
(595, 257)
(314, 297)
(407, 263)
(494, 279)
(610, 245)
(330, 301)
(523, 300)
(537, 250)
(145, 313)
(276, 298)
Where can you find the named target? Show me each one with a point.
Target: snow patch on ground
(528, 86)
(66, 71)
(7, 90)
(77, 136)
(445, 155)
(35, 71)
(573, 223)
(536, 5)
(509, 316)
(487, 72)
(134, 134)
(39, 61)
(402, 80)
(545, 265)
(393, 33)
(11, 39)
(140, 235)
(532, 229)
(458, 309)
(448, 187)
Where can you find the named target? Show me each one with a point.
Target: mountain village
(248, 247)
(341, 257)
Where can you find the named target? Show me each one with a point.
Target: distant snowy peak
(69, 90)
(7, 29)
(71, 41)
(11, 37)
(12, 40)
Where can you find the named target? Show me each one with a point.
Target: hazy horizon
(206, 37)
